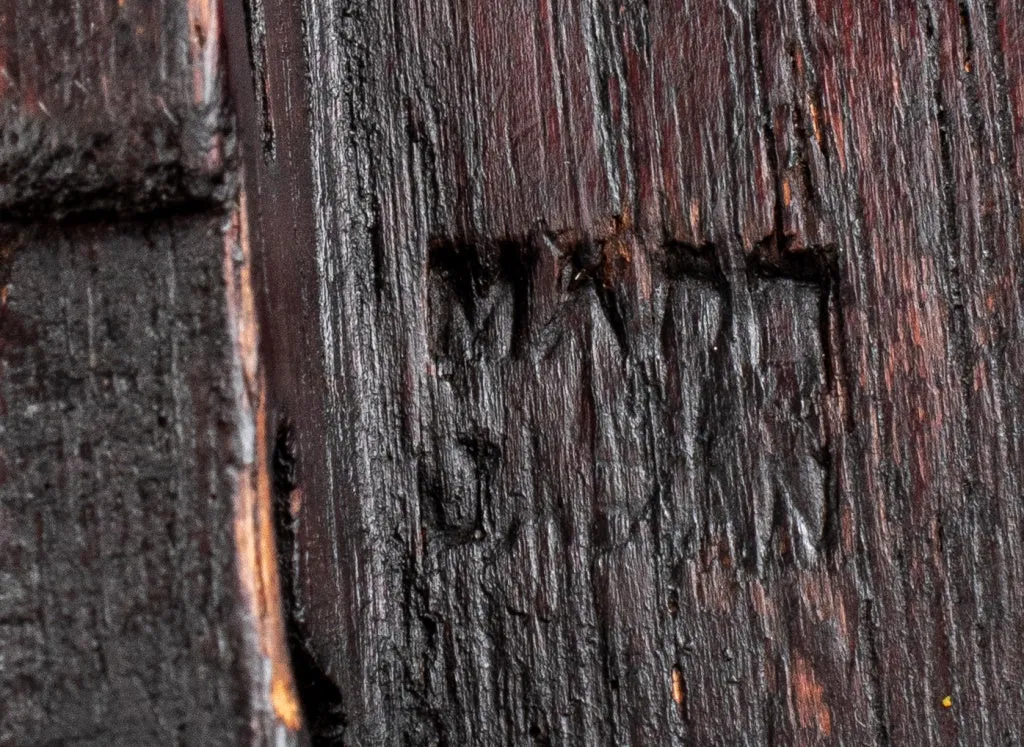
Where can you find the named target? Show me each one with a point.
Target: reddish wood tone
(627, 372)
(661, 372)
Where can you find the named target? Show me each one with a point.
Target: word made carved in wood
(722, 366)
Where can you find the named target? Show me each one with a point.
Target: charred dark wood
(651, 364)
(115, 617)
(628, 372)
(112, 106)
(138, 589)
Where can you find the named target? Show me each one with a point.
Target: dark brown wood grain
(111, 106)
(508, 372)
(139, 601)
(650, 365)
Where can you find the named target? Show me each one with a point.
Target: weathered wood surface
(629, 372)
(111, 106)
(648, 370)
(138, 599)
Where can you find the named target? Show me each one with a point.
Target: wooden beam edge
(254, 525)
(171, 147)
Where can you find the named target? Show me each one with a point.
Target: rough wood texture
(647, 368)
(138, 593)
(116, 619)
(112, 105)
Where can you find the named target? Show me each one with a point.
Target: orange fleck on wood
(694, 217)
(295, 503)
(286, 703)
(808, 694)
(815, 120)
(678, 691)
